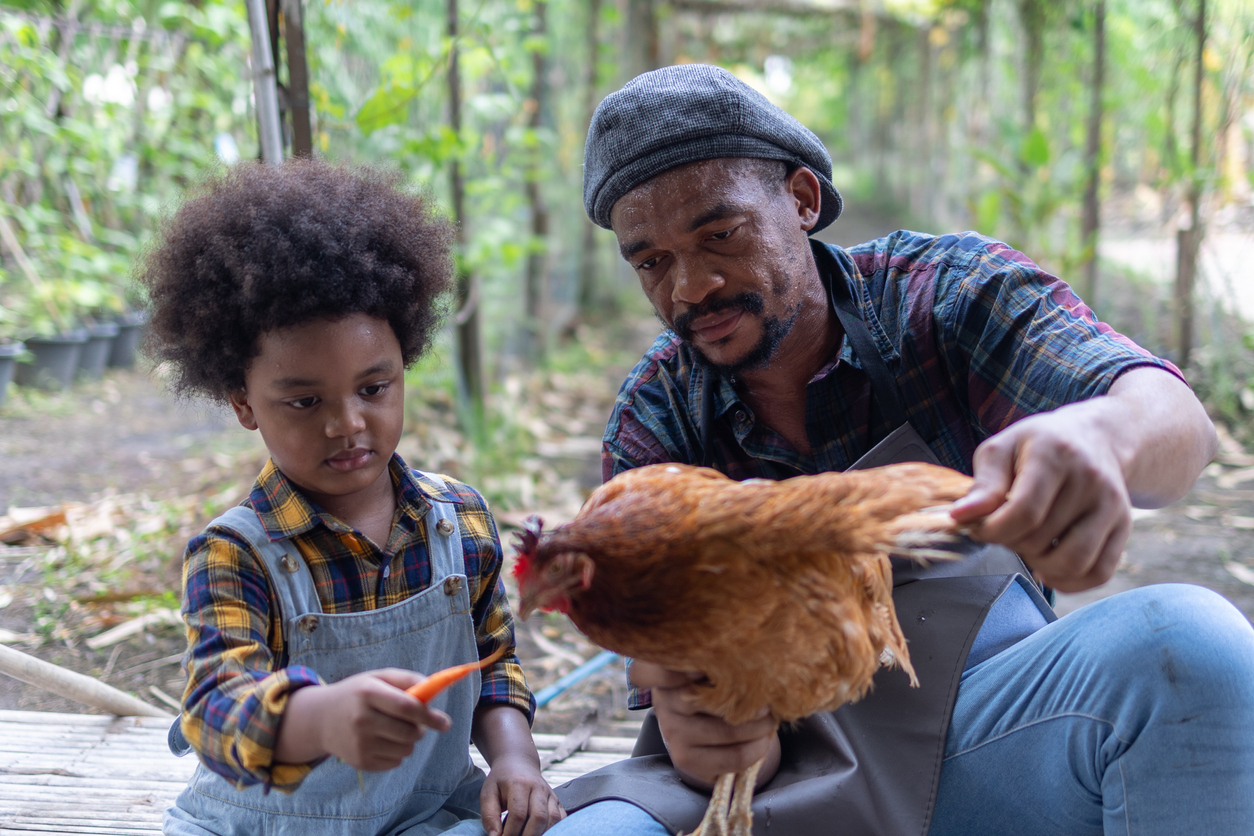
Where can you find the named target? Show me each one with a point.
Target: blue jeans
(1132, 716)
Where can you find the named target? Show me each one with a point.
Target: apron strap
(882, 381)
(706, 420)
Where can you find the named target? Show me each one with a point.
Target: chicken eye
(553, 570)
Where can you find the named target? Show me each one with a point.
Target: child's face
(328, 398)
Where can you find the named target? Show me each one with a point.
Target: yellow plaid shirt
(238, 681)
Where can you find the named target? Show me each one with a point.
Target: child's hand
(367, 721)
(516, 785)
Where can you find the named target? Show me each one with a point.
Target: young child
(299, 294)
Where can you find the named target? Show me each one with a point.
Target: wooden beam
(297, 77)
(789, 8)
(74, 686)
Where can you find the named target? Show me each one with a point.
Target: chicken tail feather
(929, 534)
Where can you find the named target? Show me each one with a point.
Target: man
(786, 356)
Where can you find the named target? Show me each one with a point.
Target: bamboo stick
(74, 686)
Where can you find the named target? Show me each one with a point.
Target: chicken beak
(527, 606)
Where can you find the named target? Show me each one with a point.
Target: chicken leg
(730, 811)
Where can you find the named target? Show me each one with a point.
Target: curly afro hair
(258, 248)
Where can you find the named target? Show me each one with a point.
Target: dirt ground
(124, 437)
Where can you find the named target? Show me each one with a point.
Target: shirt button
(452, 585)
(307, 624)
(741, 416)
(290, 563)
(387, 571)
(445, 527)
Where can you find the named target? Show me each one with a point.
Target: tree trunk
(466, 320)
(537, 256)
(297, 77)
(980, 112)
(919, 184)
(1091, 220)
(1032, 18)
(1171, 151)
(588, 251)
(1189, 241)
(642, 50)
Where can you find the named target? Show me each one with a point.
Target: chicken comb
(526, 542)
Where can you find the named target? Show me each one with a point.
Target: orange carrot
(429, 688)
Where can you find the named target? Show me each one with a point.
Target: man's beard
(774, 330)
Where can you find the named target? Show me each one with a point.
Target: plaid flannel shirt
(976, 335)
(238, 681)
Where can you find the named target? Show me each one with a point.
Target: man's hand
(367, 721)
(1050, 488)
(702, 746)
(1058, 487)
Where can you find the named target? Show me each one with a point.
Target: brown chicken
(780, 593)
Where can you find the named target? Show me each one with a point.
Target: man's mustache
(747, 302)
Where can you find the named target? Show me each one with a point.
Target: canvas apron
(436, 789)
(871, 767)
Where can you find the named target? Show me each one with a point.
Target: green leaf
(1035, 149)
(987, 211)
(388, 105)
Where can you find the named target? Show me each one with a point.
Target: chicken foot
(730, 811)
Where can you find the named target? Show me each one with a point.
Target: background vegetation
(1046, 124)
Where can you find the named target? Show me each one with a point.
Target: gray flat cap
(683, 114)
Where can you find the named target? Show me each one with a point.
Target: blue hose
(546, 695)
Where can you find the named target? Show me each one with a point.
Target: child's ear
(243, 412)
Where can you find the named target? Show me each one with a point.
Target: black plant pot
(130, 329)
(56, 358)
(96, 350)
(8, 360)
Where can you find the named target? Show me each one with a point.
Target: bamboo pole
(74, 686)
(264, 84)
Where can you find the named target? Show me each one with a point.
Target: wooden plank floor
(80, 773)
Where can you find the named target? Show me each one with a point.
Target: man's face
(328, 397)
(721, 254)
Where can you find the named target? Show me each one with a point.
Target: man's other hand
(702, 746)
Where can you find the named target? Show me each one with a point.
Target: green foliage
(922, 103)
(101, 131)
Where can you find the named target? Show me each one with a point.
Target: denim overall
(436, 789)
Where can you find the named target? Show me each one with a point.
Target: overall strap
(289, 577)
(882, 381)
(444, 537)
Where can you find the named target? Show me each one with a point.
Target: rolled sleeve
(234, 701)
(1022, 341)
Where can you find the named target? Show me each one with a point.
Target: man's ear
(243, 411)
(804, 187)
